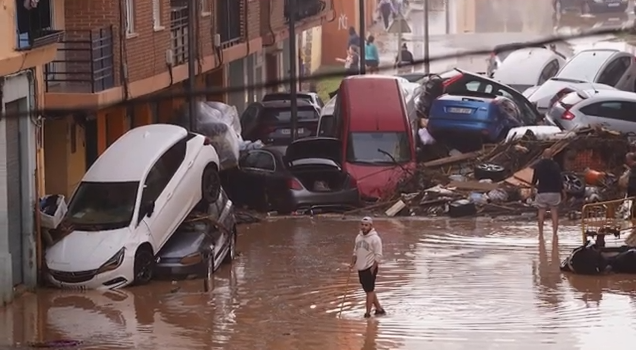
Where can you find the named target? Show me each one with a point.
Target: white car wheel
(210, 184)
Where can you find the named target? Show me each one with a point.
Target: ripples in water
(450, 284)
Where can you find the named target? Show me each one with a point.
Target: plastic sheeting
(221, 124)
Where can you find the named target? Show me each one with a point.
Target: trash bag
(220, 123)
(585, 260)
(624, 262)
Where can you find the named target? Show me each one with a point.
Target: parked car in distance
(129, 204)
(501, 52)
(468, 120)
(376, 125)
(307, 175)
(615, 110)
(271, 122)
(590, 6)
(200, 246)
(603, 66)
(525, 68)
(305, 96)
(544, 96)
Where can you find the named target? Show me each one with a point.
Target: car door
(255, 168)
(159, 210)
(615, 73)
(614, 115)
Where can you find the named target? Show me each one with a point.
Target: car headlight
(114, 262)
(192, 259)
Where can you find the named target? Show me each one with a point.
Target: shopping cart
(610, 218)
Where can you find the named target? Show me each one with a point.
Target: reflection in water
(446, 283)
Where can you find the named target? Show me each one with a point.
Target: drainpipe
(293, 59)
(192, 38)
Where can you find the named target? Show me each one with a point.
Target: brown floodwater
(445, 283)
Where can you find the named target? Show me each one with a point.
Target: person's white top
(368, 250)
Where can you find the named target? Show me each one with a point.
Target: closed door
(14, 186)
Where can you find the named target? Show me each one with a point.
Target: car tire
(144, 265)
(489, 171)
(210, 184)
(231, 253)
(574, 184)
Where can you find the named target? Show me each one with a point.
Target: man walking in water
(549, 185)
(366, 259)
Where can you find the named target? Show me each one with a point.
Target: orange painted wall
(335, 34)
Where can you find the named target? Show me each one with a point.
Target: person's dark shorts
(367, 279)
(373, 64)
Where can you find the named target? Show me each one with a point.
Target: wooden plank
(452, 159)
(521, 178)
(473, 186)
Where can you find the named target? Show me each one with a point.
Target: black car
(305, 96)
(306, 175)
(271, 121)
(200, 246)
(590, 6)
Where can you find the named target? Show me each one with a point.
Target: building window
(156, 14)
(130, 17)
(206, 8)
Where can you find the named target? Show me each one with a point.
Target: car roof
(476, 97)
(524, 66)
(586, 64)
(131, 156)
(624, 95)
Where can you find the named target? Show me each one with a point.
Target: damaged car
(129, 204)
(201, 244)
(308, 175)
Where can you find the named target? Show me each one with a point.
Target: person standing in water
(548, 182)
(367, 255)
(372, 55)
(386, 10)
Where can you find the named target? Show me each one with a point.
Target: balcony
(34, 25)
(179, 19)
(229, 15)
(84, 63)
(305, 9)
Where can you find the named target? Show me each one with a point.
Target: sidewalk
(387, 43)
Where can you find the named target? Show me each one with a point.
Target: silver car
(613, 109)
(544, 96)
(604, 66)
(525, 68)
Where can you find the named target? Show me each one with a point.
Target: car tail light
(294, 184)
(207, 141)
(452, 80)
(567, 116)
(353, 183)
(559, 95)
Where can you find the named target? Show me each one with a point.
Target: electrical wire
(328, 75)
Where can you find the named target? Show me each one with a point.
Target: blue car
(473, 116)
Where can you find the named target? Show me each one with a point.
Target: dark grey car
(590, 6)
(200, 246)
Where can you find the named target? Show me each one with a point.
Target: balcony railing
(85, 62)
(305, 8)
(34, 25)
(230, 20)
(179, 31)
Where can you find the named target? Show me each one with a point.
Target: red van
(370, 115)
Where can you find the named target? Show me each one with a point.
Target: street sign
(399, 26)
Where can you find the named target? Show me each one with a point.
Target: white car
(129, 203)
(607, 66)
(525, 68)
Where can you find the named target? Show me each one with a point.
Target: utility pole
(363, 35)
(293, 59)
(427, 44)
(192, 37)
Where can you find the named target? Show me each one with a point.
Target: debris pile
(497, 180)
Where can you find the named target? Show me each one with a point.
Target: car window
(249, 116)
(585, 65)
(549, 71)
(614, 71)
(527, 111)
(162, 171)
(277, 115)
(609, 109)
(259, 160)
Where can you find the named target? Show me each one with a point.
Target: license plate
(460, 110)
(613, 4)
(288, 131)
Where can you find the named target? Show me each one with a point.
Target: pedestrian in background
(404, 60)
(367, 255)
(372, 55)
(352, 62)
(354, 38)
(548, 182)
(386, 10)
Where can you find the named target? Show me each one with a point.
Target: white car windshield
(585, 66)
(378, 147)
(97, 206)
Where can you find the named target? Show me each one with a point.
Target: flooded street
(450, 284)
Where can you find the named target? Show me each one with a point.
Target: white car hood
(82, 251)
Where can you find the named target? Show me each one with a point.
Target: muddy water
(448, 284)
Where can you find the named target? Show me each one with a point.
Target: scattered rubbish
(52, 210)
